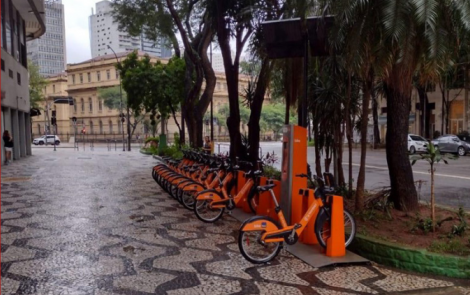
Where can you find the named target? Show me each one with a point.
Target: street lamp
(121, 116)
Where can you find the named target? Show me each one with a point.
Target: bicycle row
(209, 185)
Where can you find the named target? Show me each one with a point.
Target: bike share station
(284, 39)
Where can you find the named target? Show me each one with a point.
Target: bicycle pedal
(297, 226)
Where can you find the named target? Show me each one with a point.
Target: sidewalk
(95, 222)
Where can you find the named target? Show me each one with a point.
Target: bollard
(115, 145)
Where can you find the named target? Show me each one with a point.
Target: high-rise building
(48, 52)
(21, 21)
(104, 32)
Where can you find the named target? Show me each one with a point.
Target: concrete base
(311, 254)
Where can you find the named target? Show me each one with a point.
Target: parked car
(416, 143)
(451, 144)
(464, 138)
(46, 139)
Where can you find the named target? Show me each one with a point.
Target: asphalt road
(452, 181)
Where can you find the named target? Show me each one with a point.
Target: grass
(450, 247)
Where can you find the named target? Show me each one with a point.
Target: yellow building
(82, 81)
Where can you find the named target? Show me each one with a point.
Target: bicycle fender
(257, 223)
(193, 187)
(209, 194)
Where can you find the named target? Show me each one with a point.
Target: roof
(119, 55)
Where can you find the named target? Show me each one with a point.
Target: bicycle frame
(272, 233)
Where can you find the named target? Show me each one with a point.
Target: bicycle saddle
(264, 188)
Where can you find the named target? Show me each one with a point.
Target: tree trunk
(231, 74)
(256, 107)
(375, 115)
(349, 135)
(339, 155)
(403, 191)
(318, 169)
(433, 213)
(361, 178)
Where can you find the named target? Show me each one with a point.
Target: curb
(409, 258)
(145, 152)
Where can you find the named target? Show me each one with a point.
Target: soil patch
(414, 229)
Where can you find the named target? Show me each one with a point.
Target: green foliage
(311, 143)
(273, 115)
(176, 137)
(450, 247)
(37, 83)
(172, 151)
(432, 156)
(111, 97)
(461, 228)
(271, 172)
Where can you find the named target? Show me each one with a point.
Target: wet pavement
(95, 222)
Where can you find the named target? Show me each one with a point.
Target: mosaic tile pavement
(100, 225)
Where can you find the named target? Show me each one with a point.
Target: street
(95, 222)
(452, 181)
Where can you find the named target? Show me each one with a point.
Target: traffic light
(54, 121)
(54, 114)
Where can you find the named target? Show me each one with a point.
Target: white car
(416, 143)
(47, 139)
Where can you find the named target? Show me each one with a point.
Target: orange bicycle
(210, 204)
(261, 238)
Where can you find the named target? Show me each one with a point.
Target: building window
(74, 105)
(91, 128)
(90, 104)
(98, 76)
(108, 74)
(39, 128)
(89, 77)
(73, 79)
(100, 105)
(83, 104)
(110, 127)
(18, 78)
(81, 78)
(101, 127)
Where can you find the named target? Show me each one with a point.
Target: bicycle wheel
(187, 199)
(254, 250)
(323, 228)
(205, 213)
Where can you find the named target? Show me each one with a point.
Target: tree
(111, 98)
(37, 84)
(433, 157)
(190, 18)
(410, 35)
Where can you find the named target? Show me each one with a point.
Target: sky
(76, 29)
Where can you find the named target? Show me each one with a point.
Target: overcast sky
(77, 31)
(76, 28)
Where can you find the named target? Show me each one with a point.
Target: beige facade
(82, 81)
(459, 114)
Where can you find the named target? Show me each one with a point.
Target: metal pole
(212, 104)
(120, 104)
(304, 101)
(129, 130)
(55, 132)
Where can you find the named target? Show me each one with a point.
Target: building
(459, 114)
(82, 82)
(49, 51)
(22, 21)
(104, 33)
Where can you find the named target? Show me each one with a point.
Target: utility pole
(121, 114)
